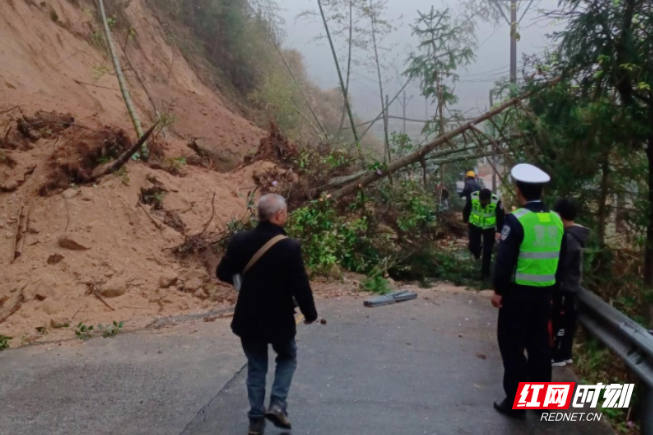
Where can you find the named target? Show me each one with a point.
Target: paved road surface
(429, 366)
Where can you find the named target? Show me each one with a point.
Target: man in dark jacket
(265, 308)
(571, 274)
(471, 186)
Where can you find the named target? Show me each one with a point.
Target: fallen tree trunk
(345, 179)
(415, 157)
(120, 161)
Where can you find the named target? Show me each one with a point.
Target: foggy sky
(476, 80)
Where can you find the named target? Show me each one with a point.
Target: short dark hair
(485, 194)
(566, 208)
(531, 192)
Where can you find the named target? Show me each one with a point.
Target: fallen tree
(419, 155)
(124, 157)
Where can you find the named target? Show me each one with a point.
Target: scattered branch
(15, 308)
(206, 226)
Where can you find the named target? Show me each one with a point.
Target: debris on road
(390, 298)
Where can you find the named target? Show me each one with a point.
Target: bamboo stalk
(351, 31)
(342, 85)
(384, 108)
(122, 82)
(317, 132)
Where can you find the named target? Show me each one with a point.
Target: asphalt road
(429, 366)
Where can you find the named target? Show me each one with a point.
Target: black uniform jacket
(265, 308)
(512, 236)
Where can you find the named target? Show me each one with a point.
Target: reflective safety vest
(540, 251)
(484, 218)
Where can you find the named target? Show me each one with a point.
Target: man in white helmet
(525, 277)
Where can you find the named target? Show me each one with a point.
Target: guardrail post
(646, 411)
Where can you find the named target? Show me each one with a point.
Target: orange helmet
(471, 174)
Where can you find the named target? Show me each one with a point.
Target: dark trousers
(482, 240)
(564, 325)
(524, 327)
(257, 369)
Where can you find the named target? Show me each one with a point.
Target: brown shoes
(278, 417)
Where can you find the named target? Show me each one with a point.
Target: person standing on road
(471, 186)
(525, 277)
(273, 277)
(486, 217)
(571, 274)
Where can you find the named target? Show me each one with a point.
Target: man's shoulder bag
(238, 278)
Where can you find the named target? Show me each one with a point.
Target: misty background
(492, 61)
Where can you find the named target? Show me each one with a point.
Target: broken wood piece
(15, 308)
(16, 236)
(93, 290)
(206, 226)
(156, 224)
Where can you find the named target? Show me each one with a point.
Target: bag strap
(273, 241)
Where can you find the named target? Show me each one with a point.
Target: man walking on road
(486, 216)
(526, 269)
(273, 274)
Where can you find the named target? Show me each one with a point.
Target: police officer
(486, 217)
(525, 276)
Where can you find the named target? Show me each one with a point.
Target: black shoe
(278, 417)
(256, 426)
(505, 408)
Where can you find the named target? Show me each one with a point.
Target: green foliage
(280, 97)
(413, 206)
(376, 284)
(233, 35)
(4, 342)
(124, 175)
(84, 332)
(445, 45)
(177, 162)
(110, 331)
(97, 39)
(167, 119)
(594, 363)
(100, 70)
(329, 238)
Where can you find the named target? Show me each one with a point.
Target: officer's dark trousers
(524, 327)
(482, 240)
(564, 324)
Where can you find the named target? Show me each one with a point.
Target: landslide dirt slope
(79, 241)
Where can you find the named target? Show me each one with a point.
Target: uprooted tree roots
(75, 161)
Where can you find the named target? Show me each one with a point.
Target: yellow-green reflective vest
(484, 218)
(540, 251)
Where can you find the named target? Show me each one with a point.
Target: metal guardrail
(627, 339)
